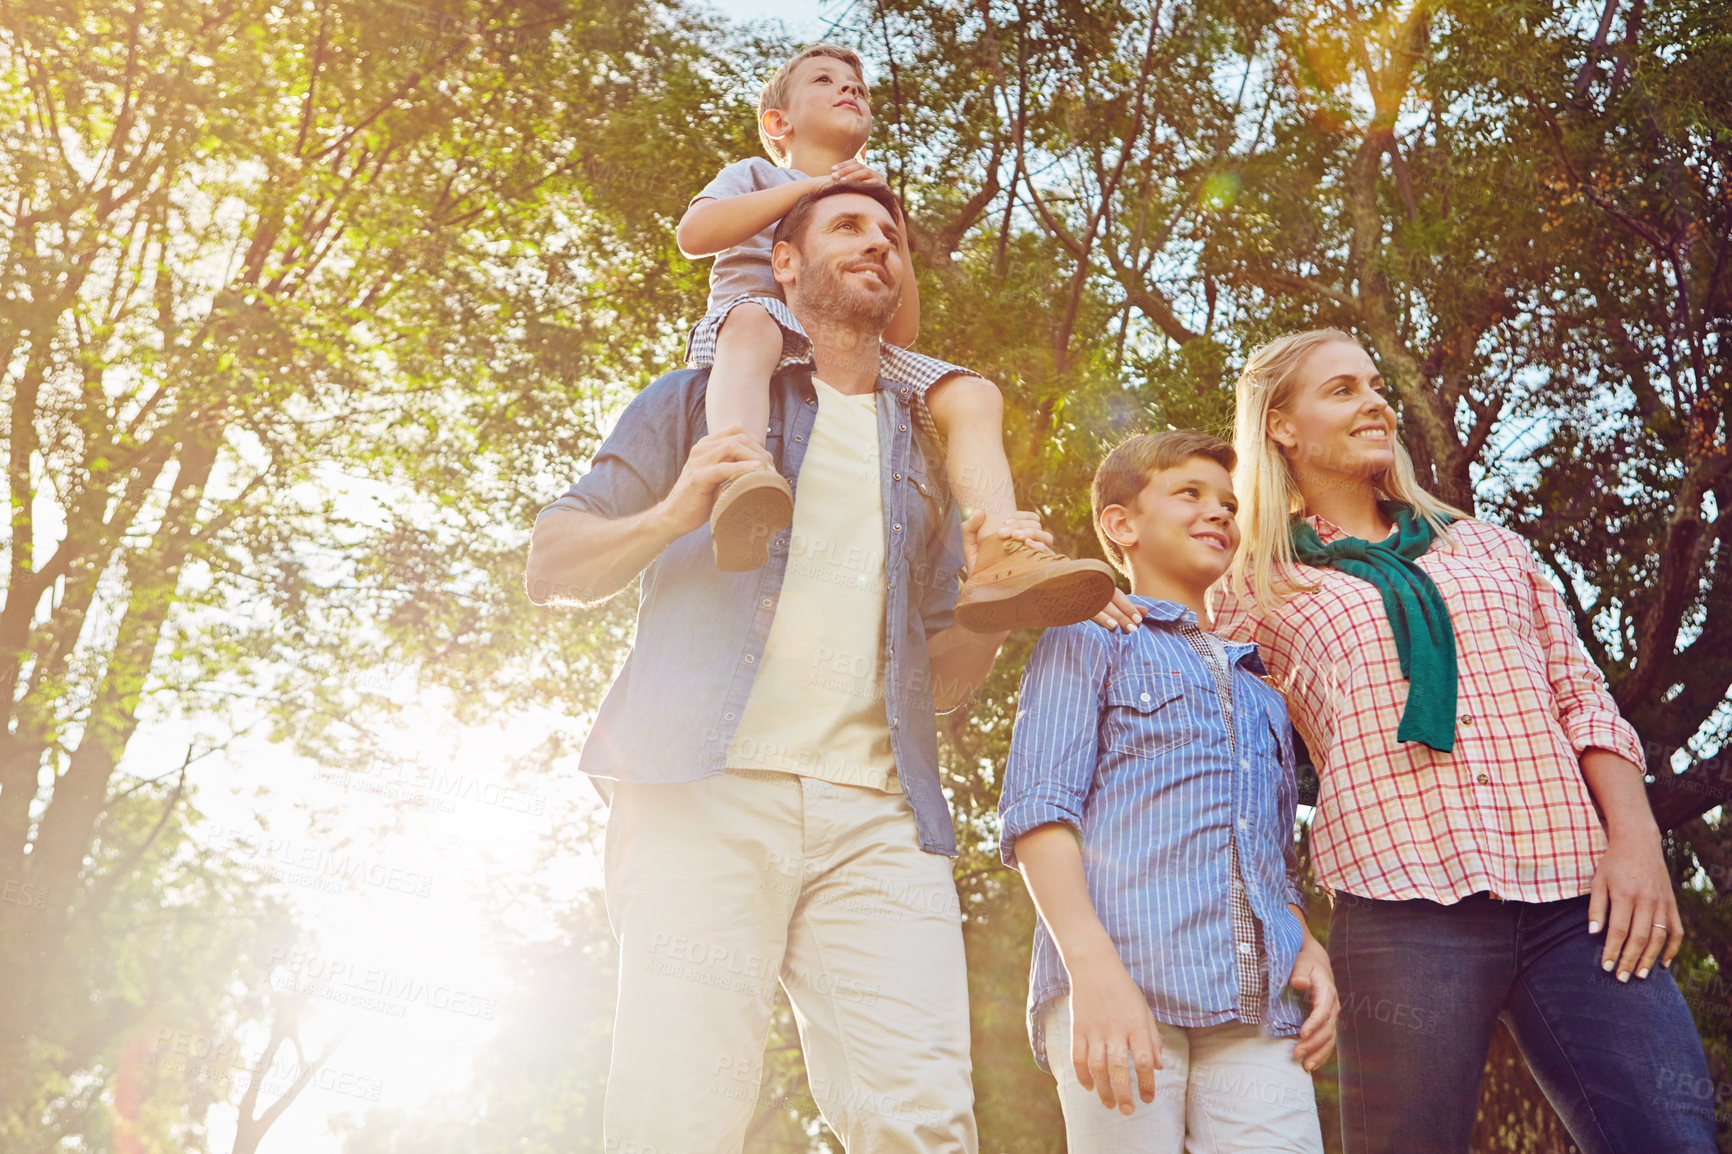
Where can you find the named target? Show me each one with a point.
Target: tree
(250, 253)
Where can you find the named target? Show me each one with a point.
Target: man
(770, 742)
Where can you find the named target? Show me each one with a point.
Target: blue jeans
(1422, 986)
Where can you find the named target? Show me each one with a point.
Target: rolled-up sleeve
(641, 459)
(1589, 715)
(1054, 744)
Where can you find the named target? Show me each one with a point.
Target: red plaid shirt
(1508, 811)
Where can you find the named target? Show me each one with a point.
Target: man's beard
(824, 292)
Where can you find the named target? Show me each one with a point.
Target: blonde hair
(1269, 494)
(775, 94)
(1121, 478)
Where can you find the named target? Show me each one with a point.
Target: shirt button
(750, 659)
(1244, 947)
(897, 476)
(902, 428)
(897, 527)
(764, 604)
(1244, 763)
(798, 437)
(1467, 719)
(1146, 697)
(1243, 824)
(727, 717)
(1484, 778)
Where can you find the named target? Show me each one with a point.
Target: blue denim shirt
(678, 699)
(1122, 737)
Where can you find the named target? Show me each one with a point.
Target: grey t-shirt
(745, 269)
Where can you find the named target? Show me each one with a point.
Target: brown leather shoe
(750, 510)
(1015, 586)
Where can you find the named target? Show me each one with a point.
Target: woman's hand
(1631, 895)
(1120, 613)
(1632, 898)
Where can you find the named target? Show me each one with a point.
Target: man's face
(848, 266)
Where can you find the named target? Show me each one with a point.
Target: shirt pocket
(1147, 714)
(919, 502)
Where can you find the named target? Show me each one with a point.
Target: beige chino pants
(718, 889)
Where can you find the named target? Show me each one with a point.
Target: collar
(804, 371)
(1171, 612)
(1155, 610)
(1327, 530)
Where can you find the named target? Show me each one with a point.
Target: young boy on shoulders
(814, 119)
(1149, 800)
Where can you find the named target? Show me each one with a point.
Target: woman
(1481, 820)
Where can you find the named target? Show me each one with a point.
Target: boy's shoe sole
(749, 511)
(1059, 592)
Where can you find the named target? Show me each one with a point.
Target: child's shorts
(917, 372)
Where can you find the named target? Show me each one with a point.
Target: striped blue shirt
(1123, 738)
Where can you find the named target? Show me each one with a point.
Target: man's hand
(1632, 898)
(585, 558)
(1021, 525)
(1112, 1033)
(855, 172)
(714, 459)
(1313, 977)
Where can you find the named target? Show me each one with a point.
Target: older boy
(814, 120)
(1149, 802)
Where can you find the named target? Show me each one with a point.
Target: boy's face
(826, 100)
(1183, 525)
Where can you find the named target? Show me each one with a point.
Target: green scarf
(1424, 635)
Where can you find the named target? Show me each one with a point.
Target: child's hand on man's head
(855, 172)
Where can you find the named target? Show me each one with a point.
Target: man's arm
(585, 558)
(960, 658)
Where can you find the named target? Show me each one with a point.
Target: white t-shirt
(817, 703)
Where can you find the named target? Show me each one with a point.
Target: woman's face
(1335, 419)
